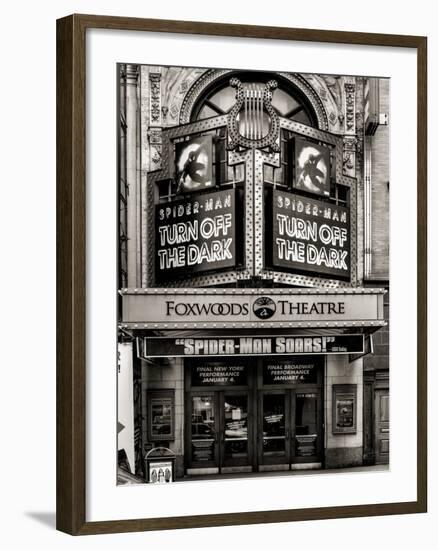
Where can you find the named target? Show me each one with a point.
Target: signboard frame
(308, 236)
(200, 236)
(287, 342)
(236, 308)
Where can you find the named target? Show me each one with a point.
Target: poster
(160, 472)
(193, 159)
(312, 167)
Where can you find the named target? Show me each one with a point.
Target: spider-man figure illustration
(195, 173)
(312, 167)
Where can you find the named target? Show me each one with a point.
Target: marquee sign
(252, 345)
(233, 308)
(310, 235)
(195, 235)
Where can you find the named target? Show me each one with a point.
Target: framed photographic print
(236, 313)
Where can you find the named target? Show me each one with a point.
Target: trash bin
(160, 465)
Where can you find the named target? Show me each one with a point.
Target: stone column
(343, 449)
(131, 171)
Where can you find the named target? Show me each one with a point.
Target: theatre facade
(253, 271)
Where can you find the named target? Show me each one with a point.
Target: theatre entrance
(253, 414)
(290, 427)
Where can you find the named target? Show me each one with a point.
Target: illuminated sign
(312, 167)
(193, 164)
(218, 374)
(252, 345)
(233, 308)
(310, 235)
(196, 234)
(296, 370)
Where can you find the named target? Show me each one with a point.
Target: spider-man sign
(312, 167)
(194, 164)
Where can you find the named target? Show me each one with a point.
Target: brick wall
(380, 191)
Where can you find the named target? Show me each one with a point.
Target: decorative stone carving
(155, 148)
(208, 77)
(323, 93)
(155, 98)
(350, 107)
(349, 156)
(332, 118)
(334, 97)
(184, 87)
(173, 111)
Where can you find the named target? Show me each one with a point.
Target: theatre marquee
(233, 308)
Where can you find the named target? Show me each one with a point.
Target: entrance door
(274, 445)
(290, 428)
(204, 441)
(382, 426)
(220, 432)
(234, 429)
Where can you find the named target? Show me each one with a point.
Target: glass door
(204, 430)
(235, 423)
(220, 431)
(290, 428)
(307, 433)
(274, 428)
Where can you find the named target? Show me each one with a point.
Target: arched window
(288, 101)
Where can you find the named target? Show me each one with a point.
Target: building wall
(380, 192)
(343, 449)
(166, 375)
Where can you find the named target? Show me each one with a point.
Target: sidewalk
(355, 469)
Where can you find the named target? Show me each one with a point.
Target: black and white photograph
(253, 274)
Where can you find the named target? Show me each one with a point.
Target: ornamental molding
(211, 75)
(350, 107)
(155, 98)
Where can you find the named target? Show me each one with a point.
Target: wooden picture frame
(71, 273)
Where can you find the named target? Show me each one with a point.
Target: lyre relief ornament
(252, 122)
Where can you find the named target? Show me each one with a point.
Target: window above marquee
(288, 101)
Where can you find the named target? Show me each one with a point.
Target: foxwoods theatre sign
(233, 308)
(310, 235)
